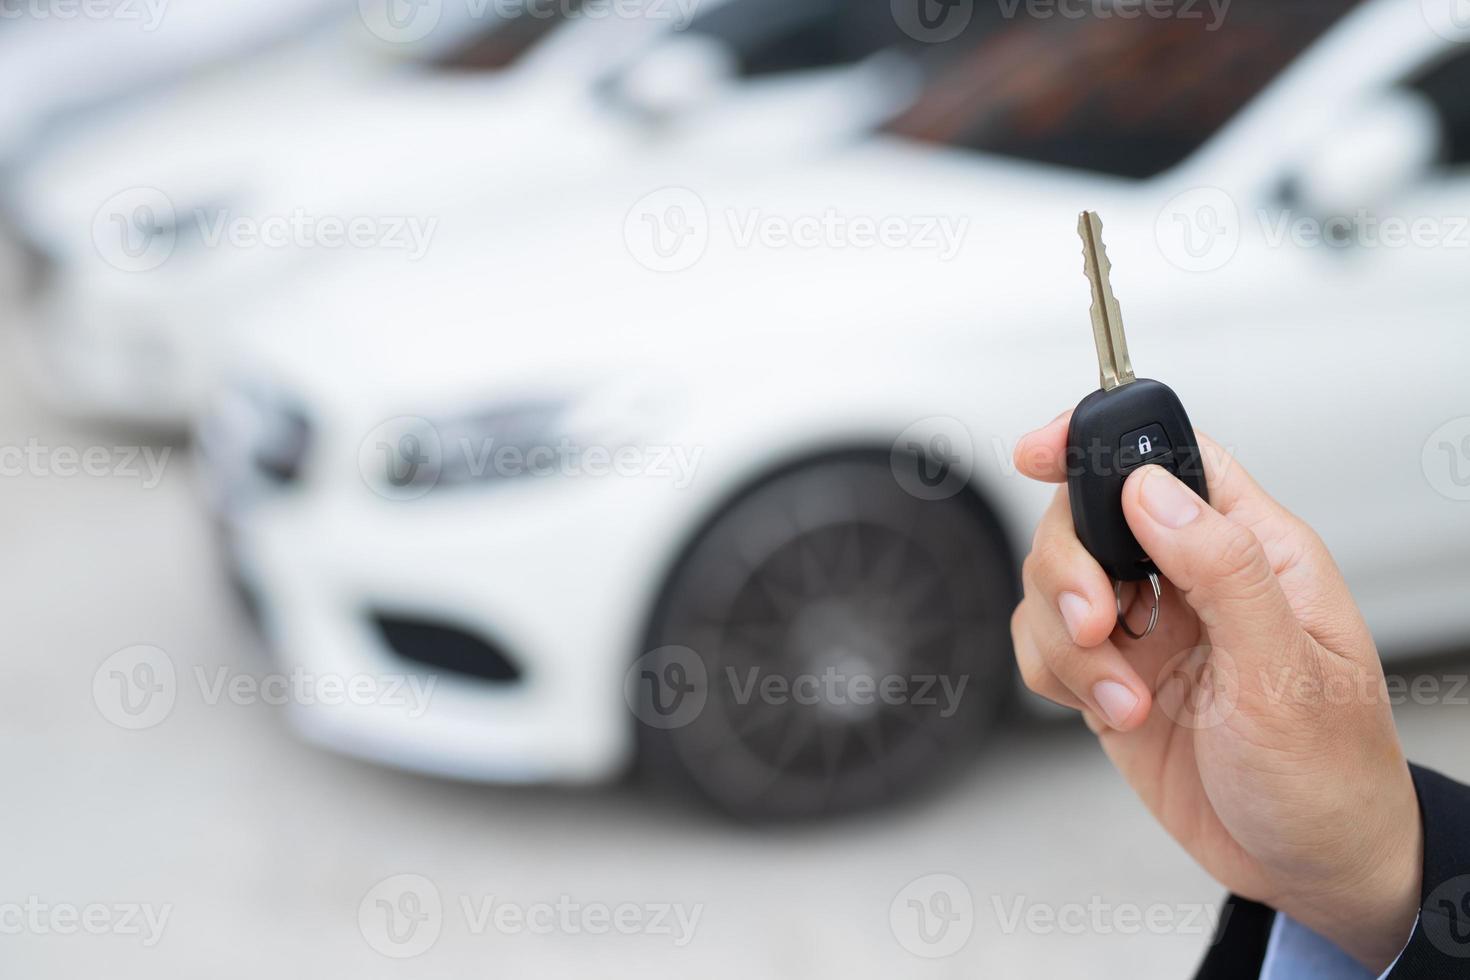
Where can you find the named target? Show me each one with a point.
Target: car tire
(814, 579)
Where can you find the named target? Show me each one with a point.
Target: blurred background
(527, 485)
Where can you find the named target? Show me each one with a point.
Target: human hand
(1254, 722)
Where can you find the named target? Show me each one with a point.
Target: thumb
(1218, 565)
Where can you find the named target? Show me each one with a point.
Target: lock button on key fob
(1146, 445)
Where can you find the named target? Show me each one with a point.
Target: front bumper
(557, 577)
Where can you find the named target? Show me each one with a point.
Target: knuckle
(1048, 561)
(1035, 676)
(1034, 672)
(1029, 662)
(1237, 558)
(1041, 681)
(1028, 568)
(1314, 553)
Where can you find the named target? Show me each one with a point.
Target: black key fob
(1113, 432)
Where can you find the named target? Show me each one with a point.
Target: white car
(64, 58)
(229, 190)
(696, 470)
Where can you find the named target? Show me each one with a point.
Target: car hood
(564, 293)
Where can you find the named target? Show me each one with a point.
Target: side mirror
(1380, 152)
(676, 77)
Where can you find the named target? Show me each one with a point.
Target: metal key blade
(1113, 364)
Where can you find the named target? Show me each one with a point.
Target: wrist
(1370, 914)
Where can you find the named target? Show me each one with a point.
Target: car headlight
(259, 432)
(481, 447)
(538, 437)
(197, 226)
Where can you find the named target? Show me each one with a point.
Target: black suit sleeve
(1439, 949)
(1239, 946)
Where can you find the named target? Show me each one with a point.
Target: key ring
(1153, 617)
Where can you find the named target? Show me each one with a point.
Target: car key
(1126, 424)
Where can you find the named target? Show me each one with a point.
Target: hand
(1254, 722)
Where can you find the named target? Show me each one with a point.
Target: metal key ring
(1153, 617)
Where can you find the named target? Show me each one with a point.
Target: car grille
(444, 646)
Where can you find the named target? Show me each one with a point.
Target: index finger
(1042, 454)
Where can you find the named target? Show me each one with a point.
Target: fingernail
(1116, 701)
(1074, 612)
(1167, 500)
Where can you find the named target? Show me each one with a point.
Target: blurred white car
(64, 57)
(636, 475)
(149, 226)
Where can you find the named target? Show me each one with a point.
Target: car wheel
(850, 641)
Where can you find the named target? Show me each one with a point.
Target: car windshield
(1126, 96)
(773, 36)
